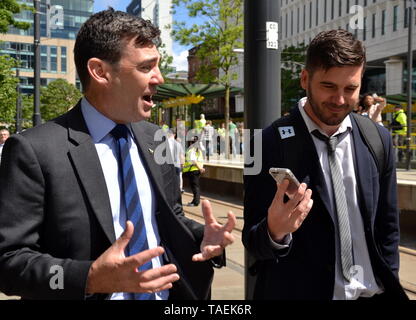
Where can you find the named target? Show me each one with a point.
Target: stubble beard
(319, 111)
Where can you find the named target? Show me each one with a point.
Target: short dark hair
(104, 36)
(334, 48)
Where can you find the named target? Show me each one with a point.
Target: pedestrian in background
(373, 105)
(399, 130)
(208, 135)
(4, 135)
(193, 168)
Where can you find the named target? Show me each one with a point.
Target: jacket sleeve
(24, 269)
(259, 191)
(386, 230)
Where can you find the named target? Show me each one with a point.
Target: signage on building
(182, 101)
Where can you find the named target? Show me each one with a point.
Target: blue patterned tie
(134, 211)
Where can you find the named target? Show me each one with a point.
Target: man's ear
(97, 69)
(304, 78)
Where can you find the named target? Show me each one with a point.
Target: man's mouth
(148, 99)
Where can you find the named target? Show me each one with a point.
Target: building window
(383, 22)
(325, 2)
(298, 19)
(395, 9)
(339, 8)
(291, 22)
(304, 17)
(347, 9)
(317, 12)
(63, 60)
(286, 26)
(332, 9)
(406, 17)
(373, 26)
(365, 29)
(310, 15)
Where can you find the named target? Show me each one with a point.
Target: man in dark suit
(65, 226)
(301, 249)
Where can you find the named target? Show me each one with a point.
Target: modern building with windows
(60, 21)
(381, 24)
(159, 12)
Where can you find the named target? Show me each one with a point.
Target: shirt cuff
(283, 244)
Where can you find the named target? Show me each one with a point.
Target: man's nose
(338, 99)
(158, 77)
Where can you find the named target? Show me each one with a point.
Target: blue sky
(180, 53)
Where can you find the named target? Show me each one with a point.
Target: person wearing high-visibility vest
(193, 168)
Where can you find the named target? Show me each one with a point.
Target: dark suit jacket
(306, 270)
(55, 210)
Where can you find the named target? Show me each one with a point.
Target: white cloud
(181, 61)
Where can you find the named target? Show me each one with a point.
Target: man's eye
(146, 68)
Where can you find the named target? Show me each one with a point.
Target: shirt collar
(98, 124)
(311, 125)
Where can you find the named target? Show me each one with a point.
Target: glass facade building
(64, 17)
(75, 13)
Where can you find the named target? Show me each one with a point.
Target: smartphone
(279, 174)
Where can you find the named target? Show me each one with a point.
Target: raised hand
(284, 218)
(216, 236)
(114, 272)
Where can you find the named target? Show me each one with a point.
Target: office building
(60, 21)
(159, 12)
(381, 24)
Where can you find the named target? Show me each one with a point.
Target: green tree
(8, 94)
(216, 39)
(57, 98)
(8, 8)
(293, 60)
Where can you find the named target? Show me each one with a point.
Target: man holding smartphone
(337, 237)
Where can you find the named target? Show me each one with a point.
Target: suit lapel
(363, 164)
(308, 162)
(87, 165)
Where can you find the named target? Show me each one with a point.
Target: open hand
(114, 272)
(216, 236)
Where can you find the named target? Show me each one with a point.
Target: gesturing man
(85, 193)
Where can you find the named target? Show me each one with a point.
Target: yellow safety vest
(189, 164)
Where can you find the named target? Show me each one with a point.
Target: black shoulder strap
(372, 139)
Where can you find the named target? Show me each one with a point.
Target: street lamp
(36, 98)
(18, 98)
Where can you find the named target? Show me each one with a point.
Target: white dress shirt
(99, 127)
(363, 284)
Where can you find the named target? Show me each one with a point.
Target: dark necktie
(130, 195)
(341, 204)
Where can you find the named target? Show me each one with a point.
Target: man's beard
(326, 117)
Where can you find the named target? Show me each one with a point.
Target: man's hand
(114, 272)
(284, 218)
(216, 237)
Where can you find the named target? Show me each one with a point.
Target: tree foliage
(8, 94)
(216, 38)
(293, 59)
(57, 98)
(8, 8)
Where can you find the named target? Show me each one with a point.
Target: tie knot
(331, 142)
(119, 131)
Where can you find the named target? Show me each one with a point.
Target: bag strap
(372, 139)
